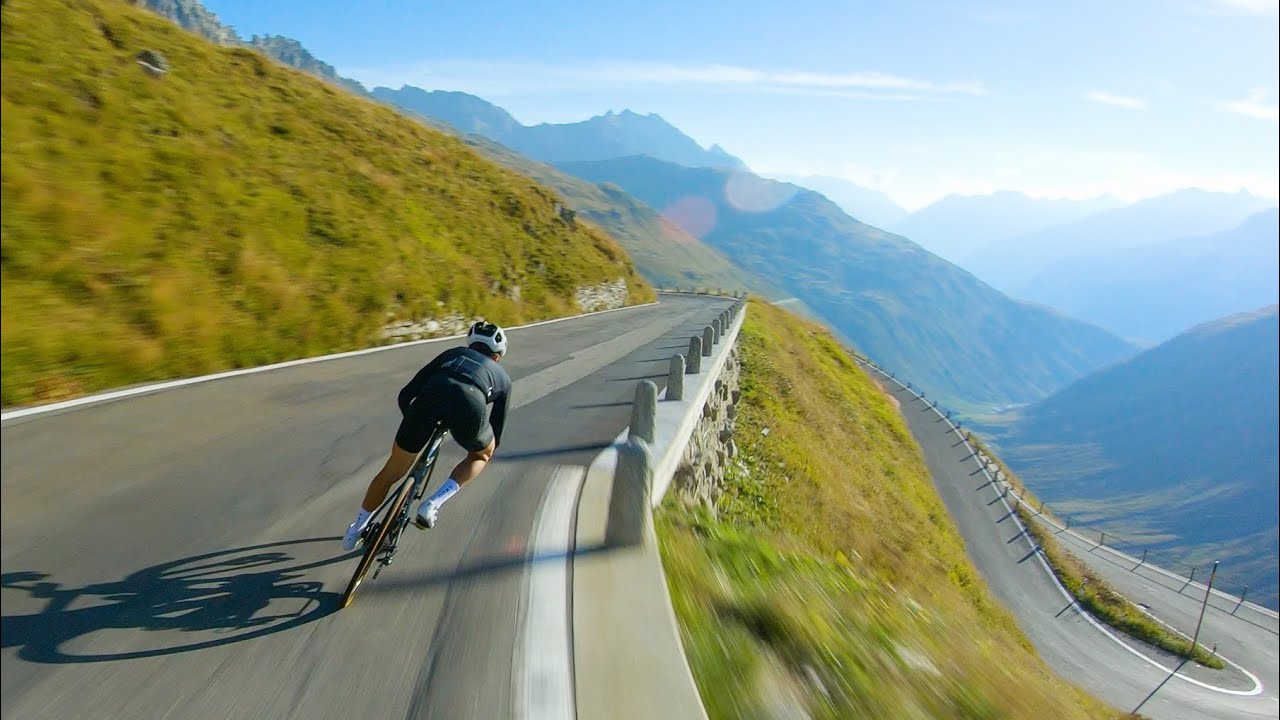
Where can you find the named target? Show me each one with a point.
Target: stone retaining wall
(605, 296)
(590, 298)
(699, 478)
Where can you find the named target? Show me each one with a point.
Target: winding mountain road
(1128, 674)
(176, 554)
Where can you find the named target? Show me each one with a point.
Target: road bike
(382, 533)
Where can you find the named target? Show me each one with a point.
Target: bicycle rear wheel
(373, 541)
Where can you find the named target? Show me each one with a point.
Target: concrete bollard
(715, 331)
(643, 411)
(694, 365)
(675, 378)
(707, 341)
(629, 516)
(724, 324)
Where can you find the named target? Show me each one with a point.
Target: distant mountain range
(601, 137)
(1012, 263)
(1178, 442)
(1154, 292)
(958, 226)
(863, 204)
(913, 312)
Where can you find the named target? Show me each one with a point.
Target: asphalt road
(1072, 645)
(177, 554)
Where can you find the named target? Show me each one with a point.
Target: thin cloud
(1253, 106)
(1120, 101)
(1259, 7)
(503, 78)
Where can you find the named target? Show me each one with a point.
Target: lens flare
(752, 193)
(692, 214)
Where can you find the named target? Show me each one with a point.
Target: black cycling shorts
(462, 408)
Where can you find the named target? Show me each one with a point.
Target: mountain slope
(958, 225)
(1178, 442)
(869, 206)
(912, 311)
(1012, 263)
(1155, 292)
(662, 251)
(601, 137)
(235, 212)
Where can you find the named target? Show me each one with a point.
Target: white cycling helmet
(489, 335)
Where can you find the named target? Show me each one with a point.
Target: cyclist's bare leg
(471, 466)
(395, 468)
(463, 473)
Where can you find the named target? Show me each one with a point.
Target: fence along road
(1070, 641)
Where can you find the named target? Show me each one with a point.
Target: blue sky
(918, 99)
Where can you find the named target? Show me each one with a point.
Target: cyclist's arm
(502, 396)
(498, 418)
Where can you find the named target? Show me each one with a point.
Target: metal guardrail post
(1242, 594)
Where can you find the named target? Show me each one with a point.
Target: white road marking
(1257, 684)
(168, 385)
(543, 673)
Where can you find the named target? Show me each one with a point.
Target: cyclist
(457, 388)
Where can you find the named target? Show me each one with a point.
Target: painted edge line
(544, 658)
(171, 384)
(1257, 684)
(1259, 609)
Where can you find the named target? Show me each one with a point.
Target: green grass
(1093, 593)
(236, 212)
(829, 573)
(664, 253)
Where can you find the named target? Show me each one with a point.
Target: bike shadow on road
(236, 595)
(488, 567)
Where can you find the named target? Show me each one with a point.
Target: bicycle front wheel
(374, 540)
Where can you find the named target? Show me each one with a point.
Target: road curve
(1064, 636)
(177, 554)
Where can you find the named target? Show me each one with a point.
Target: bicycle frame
(382, 537)
(419, 475)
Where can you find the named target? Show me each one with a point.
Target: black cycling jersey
(470, 367)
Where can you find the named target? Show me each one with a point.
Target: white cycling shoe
(427, 514)
(352, 539)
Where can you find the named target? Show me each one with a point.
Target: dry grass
(833, 562)
(236, 212)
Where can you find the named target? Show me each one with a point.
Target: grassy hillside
(663, 253)
(1175, 449)
(832, 577)
(236, 212)
(913, 312)
(661, 250)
